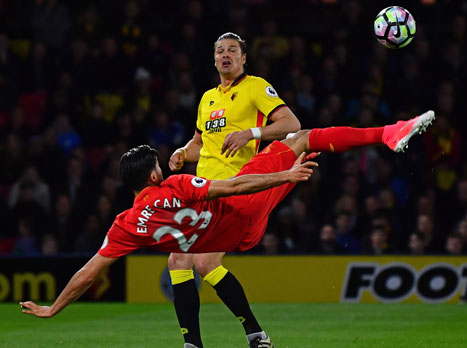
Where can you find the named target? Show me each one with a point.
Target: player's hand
(177, 160)
(301, 169)
(235, 141)
(30, 307)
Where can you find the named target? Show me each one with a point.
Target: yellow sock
(181, 275)
(216, 275)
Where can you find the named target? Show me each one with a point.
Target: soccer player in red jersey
(185, 213)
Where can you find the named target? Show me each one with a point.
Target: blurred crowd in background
(81, 82)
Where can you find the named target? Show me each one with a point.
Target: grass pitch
(289, 325)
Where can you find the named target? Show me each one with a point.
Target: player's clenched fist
(177, 159)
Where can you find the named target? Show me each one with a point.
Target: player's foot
(259, 342)
(396, 136)
(189, 345)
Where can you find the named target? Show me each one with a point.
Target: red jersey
(175, 216)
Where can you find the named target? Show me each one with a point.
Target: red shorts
(274, 158)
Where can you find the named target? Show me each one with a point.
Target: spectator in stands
(49, 245)
(328, 243)
(347, 205)
(270, 44)
(165, 134)
(154, 56)
(378, 242)
(49, 151)
(187, 93)
(81, 67)
(40, 190)
(443, 145)
(13, 158)
(89, 26)
(9, 76)
(75, 184)
(454, 244)
(270, 244)
(417, 243)
(372, 208)
(27, 207)
(113, 71)
(131, 30)
(426, 226)
(38, 72)
(345, 235)
(91, 237)
(124, 129)
(461, 229)
(105, 211)
(142, 97)
(67, 137)
(18, 125)
(51, 21)
(459, 207)
(64, 223)
(306, 101)
(26, 244)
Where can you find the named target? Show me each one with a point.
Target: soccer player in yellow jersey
(230, 124)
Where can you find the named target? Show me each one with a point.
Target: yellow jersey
(246, 103)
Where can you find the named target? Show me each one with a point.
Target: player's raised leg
(341, 139)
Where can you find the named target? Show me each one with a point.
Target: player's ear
(244, 58)
(153, 177)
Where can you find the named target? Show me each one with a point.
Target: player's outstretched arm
(188, 153)
(283, 122)
(77, 285)
(252, 183)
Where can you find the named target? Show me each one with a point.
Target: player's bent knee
(179, 261)
(302, 134)
(206, 263)
(299, 141)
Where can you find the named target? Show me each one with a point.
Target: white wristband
(256, 133)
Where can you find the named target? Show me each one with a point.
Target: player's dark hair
(136, 166)
(232, 36)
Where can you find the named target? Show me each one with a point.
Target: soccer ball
(394, 27)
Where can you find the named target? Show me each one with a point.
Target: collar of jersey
(140, 194)
(236, 82)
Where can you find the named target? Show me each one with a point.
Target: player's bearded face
(228, 58)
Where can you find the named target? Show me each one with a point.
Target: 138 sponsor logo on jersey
(216, 121)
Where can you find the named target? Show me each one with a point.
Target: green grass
(290, 325)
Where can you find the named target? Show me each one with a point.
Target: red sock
(341, 139)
